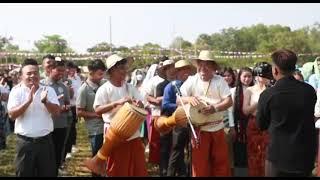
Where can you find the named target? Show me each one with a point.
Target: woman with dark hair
(257, 140)
(229, 76)
(298, 76)
(244, 80)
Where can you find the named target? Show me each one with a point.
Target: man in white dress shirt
(31, 105)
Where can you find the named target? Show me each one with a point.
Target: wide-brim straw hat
(204, 55)
(113, 59)
(161, 69)
(182, 63)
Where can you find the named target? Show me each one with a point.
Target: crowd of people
(264, 121)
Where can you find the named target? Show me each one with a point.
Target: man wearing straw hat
(154, 95)
(210, 154)
(180, 135)
(151, 80)
(127, 159)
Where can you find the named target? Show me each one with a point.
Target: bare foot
(96, 165)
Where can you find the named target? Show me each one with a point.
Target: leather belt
(34, 139)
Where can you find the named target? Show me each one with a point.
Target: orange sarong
(256, 148)
(211, 156)
(128, 159)
(154, 143)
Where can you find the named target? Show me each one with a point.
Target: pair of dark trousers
(72, 136)
(96, 142)
(3, 132)
(165, 151)
(272, 171)
(66, 143)
(73, 130)
(58, 137)
(35, 158)
(177, 165)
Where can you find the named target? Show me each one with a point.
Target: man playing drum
(179, 134)
(128, 158)
(210, 154)
(154, 95)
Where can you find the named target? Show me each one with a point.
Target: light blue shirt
(314, 81)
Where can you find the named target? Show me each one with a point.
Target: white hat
(182, 63)
(57, 59)
(204, 55)
(166, 63)
(113, 59)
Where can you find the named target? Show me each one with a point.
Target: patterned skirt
(256, 148)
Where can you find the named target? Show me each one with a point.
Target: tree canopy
(52, 44)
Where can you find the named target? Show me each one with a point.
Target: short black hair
(163, 58)
(96, 64)
(285, 59)
(61, 63)
(26, 62)
(29, 61)
(49, 56)
(70, 64)
(78, 70)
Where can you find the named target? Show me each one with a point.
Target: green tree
(6, 44)
(179, 42)
(101, 47)
(52, 44)
(204, 42)
(122, 49)
(314, 37)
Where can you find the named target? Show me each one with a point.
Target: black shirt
(287, 111)
(160, 90)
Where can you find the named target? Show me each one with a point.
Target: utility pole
(6, 43)
(110, 34)
(173, 34)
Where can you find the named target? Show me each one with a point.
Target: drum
(165, 124)
(123, 125)
(197, 118)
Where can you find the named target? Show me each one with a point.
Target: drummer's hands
(159, 99)
(124, 100)
(137, 103)
(194, 101)
(208, 110)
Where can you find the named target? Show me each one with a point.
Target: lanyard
(206, 90)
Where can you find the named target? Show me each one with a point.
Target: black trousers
(177, 165)
(272, 171)
(72, 136)
(58, 136)
(67, 146)
(73, 130)
(35, 158)
(165, 150)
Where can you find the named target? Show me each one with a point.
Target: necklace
(207, 89)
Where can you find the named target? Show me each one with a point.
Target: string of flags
(138, 54)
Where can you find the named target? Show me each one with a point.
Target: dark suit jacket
(287, 111)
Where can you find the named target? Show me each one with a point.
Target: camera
(264, 69)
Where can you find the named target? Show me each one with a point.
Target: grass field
(73, 166)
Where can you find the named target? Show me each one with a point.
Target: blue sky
(84, 25)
